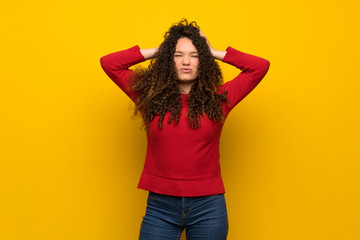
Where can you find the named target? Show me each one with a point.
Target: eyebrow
(183, 52)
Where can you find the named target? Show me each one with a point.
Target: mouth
(185, 70)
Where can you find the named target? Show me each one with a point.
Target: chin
(186, 80)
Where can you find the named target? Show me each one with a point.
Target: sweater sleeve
(116, 65)
(253, 71)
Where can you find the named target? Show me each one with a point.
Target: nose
(186, 60)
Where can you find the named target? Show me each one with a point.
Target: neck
(185, 86)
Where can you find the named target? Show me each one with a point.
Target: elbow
(266, 64)
(104, 63)
(263, 65)
(264, 68)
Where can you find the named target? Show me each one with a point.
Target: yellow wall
(71, 156)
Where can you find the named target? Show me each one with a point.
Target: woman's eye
(195, 56)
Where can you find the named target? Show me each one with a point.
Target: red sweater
(182, 161)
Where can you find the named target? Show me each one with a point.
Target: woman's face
(186, 59)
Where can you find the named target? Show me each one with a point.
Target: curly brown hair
(158, 88)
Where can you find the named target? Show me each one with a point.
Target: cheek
(196, 65)
(177, 63)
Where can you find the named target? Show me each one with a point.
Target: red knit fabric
(182, 161)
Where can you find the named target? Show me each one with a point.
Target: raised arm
(253, 71)
(116, 65)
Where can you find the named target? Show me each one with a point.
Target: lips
(185, 70)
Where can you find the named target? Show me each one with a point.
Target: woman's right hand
(149, 53)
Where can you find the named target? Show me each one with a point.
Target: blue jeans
(202, 217)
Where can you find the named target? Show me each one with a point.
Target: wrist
(148, 53)
(218, 54)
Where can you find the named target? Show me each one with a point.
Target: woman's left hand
(216, 54)
(207, 40)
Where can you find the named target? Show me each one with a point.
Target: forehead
(185, 45)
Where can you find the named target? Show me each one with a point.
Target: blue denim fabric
(202, 217)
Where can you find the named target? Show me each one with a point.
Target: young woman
(183, 103)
